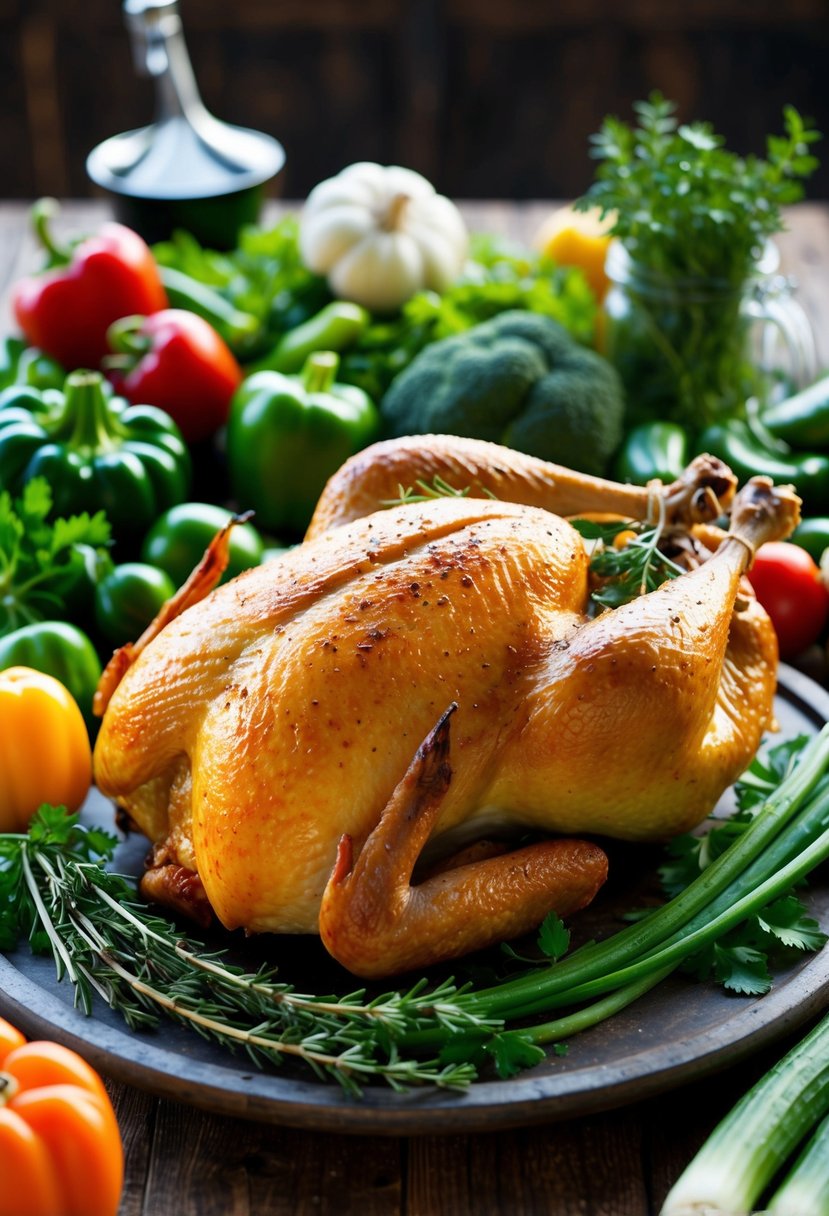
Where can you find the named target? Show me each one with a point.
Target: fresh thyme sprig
(626, 570)
(424, 491)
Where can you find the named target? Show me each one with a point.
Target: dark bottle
(187, 169)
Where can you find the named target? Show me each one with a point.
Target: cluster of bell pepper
(121, 392)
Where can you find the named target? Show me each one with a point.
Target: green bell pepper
(744, 451)
(23, 364)
(128, 599)
(801, 420)
(60, 650)
(177, 541)
(286, 435)
(652, 450)
(335, 327)
(812, 534)
(96, 450)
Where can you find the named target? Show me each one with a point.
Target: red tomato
(787, 583)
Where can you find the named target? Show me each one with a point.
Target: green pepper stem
(42, 214)
(126, 339)
(320, 371)
(87, 420)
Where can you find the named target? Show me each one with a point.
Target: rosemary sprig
(424, 491)
(54, 889)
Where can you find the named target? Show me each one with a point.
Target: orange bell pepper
(60, 1147)
(44, 747)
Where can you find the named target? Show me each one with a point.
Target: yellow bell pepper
(578, 238)
(44, 747)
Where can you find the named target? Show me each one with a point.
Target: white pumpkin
(381, 233)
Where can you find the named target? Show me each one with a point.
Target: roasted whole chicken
(348, 740)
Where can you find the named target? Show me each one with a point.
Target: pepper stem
(126, 339)
(320, 371)
(42, 214)
(8, 1088)
(87, 419)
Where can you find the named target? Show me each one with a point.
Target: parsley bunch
(684, 204)
(41, 560)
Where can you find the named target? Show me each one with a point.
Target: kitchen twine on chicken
(655, 516)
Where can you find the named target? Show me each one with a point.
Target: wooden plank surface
(183, 1162)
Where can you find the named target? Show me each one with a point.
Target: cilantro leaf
(786, 920)
(741, 969)
(512, 1051)
(767, 771)
(553, 937)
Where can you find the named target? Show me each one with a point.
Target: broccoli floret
(519, 379)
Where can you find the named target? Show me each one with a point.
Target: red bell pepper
(175, 360)
(67, 310)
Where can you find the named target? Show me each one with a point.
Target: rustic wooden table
(181, 1161)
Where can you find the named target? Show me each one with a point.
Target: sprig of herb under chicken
(55, 892)
(428, 491)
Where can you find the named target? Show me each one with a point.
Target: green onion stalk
(753, 1143)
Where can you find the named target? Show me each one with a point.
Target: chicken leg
(377, 475)
(374, 922)
(677, 684)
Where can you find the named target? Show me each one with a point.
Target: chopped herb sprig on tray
(55, 892)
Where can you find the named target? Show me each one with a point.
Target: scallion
(753, 1142)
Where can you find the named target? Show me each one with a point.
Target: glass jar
(693, 350)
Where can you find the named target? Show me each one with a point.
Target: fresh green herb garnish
(740, 959)
(684, 204)
(55, 892)
(424, 491)
(692, 220)
(633, 569)
(42, 559)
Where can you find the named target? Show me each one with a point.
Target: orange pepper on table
(60, 1147)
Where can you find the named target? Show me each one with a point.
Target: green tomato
(128, 599)
(177, 541)
(60, 650)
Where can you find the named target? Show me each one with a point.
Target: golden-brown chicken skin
(288, 739)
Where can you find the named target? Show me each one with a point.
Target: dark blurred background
(488, 98)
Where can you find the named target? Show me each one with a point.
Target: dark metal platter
(680, 1030)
